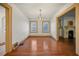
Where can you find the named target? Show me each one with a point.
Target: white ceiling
(31, 10)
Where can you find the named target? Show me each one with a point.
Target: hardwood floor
(43, 46)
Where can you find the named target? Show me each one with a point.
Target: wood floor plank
(44, 46)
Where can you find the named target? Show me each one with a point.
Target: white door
(2, 31)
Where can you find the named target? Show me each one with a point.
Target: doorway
(2, 31)
(67, 25)
(67, 28)
(6, 21)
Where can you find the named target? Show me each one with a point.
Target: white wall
(53, 21)
(2, 30)
(53, 28)
(20, 25)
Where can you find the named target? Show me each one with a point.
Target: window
(33, 26)
(45, 26)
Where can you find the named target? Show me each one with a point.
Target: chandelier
(40, 15)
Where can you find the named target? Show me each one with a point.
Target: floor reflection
(38, 46)
(45, 45)
(34, 45)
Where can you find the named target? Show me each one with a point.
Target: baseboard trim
(21, 43)
(53, 38)
(17, 46)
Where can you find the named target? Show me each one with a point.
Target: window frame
(36, 27)
(48, 27)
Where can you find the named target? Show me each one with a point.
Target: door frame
(76, 6)
(63, 13)
(8, 34)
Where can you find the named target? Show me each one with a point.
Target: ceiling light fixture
(40, 17)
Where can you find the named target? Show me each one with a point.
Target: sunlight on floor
(34, 45)
(45, 45)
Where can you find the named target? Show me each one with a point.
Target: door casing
(8, 15)
(76, 6)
